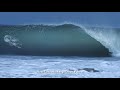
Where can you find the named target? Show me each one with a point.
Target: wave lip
(108, 37)
(55, 40)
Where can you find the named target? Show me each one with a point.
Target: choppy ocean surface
(39, 51)
(58, 67)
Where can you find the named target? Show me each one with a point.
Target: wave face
(58, 40)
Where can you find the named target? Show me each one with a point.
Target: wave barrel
(49, 40)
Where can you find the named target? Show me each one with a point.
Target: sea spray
(109, 37)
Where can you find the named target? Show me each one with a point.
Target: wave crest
(64, 39)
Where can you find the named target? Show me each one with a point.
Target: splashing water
(106, 36)
(12, 41)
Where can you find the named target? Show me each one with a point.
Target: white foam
(12, 41)
(52, 67)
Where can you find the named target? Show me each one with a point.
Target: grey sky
(99, 18)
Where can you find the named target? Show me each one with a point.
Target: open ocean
(59, 51)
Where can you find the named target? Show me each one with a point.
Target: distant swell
(59, 40)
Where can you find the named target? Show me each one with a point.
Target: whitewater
(59, 51)
(59, 67)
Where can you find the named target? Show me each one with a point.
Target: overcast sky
(99, 18)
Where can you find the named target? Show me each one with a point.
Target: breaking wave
(60, 40)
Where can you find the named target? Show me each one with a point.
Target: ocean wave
(61, 40)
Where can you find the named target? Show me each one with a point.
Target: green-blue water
(47, 40)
